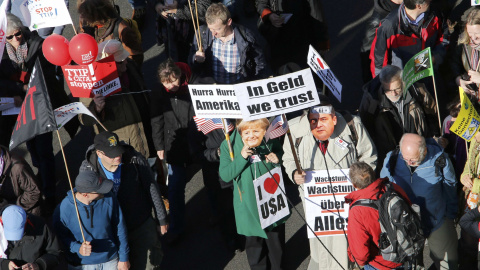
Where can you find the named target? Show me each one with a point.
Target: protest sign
(417, 68)
(320, 67)
(278, 95)
(65, 113)
(100, 77)
(214, 101)
(475, 2)
(38, 14)
(321, 206)
(468, 120)
(271, 202)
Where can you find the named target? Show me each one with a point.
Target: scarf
(474, 55)
(17, 56)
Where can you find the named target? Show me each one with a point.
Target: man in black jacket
(137, 193)
(30, 243)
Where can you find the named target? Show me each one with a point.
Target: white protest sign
(38, 14)
(320, 204)
(475, 2)
(271, 202)
(323, 71)
(274, 96)
(65, 113)
(214, 101)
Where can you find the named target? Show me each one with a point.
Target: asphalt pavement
(202, 247)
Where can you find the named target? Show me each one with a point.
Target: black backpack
(401, 237)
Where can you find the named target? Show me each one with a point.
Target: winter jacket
(337, 157)
(396, 41)
(38, 245)
(171, 114)
(12, 85)
(242, 173)
(18, 183)
(138, 192)
(383, 122)
(124, 113)
(472, 164)
(103, 226)
(430, 187)
(252, 60)
(364, 227)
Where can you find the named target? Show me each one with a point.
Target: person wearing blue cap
(105, 244)
(31, 244)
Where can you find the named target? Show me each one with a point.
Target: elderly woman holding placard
(253, 158)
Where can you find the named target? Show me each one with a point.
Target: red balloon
(55, 49)
(83, 49)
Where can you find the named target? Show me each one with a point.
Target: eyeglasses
(411, 161)
(17, 34)
(396, 90)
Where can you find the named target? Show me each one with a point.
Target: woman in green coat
(250, 150)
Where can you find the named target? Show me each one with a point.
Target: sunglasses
(19, 33)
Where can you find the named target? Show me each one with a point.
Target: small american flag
(206, 125)
(276, 129)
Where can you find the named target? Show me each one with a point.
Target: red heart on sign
(320, 62)
(270, 185)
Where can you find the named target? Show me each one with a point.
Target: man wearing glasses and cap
(137, 192)
(26, 242)
(325, 140)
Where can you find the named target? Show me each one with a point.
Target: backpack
(401, 237)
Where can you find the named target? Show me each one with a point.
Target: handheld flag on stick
(206, 125)
(36, 114)
(36, 117)
(277, 128)
(468, 120)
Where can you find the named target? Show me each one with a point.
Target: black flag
(36, 116)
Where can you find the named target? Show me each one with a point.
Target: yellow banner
(468, 120)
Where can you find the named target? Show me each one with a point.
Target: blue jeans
(110, 265)
(177, 180)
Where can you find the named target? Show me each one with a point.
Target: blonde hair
(241, 124)
(217, 11)
(470, 17)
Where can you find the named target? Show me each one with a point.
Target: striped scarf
(474, 55)
(17, 56)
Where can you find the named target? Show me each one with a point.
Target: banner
(3, 25)
(321, 206)
(475, 2)
(36, 115)
(100, 77)
(320, 67)
(67, 112)
(468, 120)
(38, 14)
(271, 202)
(214, 101)
(274, 96)
(417, 68)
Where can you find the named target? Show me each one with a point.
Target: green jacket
(243, 173)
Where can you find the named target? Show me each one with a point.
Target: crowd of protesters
(120, 207)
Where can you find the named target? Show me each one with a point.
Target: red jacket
(364, 228)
